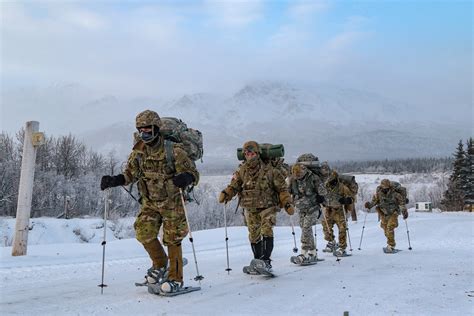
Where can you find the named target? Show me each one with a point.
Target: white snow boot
(171, 286)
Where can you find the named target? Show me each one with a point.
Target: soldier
(304, 186)
(337, 196)
(262, 191)
(159, 182)
(389, 205)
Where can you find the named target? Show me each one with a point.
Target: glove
(407, 201)
(223, 197)
(367, 205)
(290, 209)
(345, 200)
(405, 214)
(111, 181)
(320, 199)
(182, 180)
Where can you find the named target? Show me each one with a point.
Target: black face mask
(385, 191)
(146, 137)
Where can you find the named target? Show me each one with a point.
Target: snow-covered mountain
(333, 122)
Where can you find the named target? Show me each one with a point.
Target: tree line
(67, 177)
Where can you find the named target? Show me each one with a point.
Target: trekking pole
(198, 277)
(295, 248)
(347, 226)
(226, 239)
(130, 193)
(363, 228)
(408, 234)
(106, 209)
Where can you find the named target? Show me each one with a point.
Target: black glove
(345, 200)
(320, 199)
(407, 201)
(182, 180)
(111, 181)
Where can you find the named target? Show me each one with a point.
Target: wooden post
(31, 140)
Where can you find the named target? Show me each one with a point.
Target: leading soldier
(159, 184)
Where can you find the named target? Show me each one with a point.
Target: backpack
(311, 162)
(175, 130)
(350, 182)
(400, 190)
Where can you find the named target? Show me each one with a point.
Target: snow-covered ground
(435, 278)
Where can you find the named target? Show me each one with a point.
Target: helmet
(299, 171)
(307, 157)
(251, 146)
(385, 184)
(147, 118)
(150, 119)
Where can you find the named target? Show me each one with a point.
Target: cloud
(303, 9)
(235, 14)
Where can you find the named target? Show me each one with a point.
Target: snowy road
(435, 278)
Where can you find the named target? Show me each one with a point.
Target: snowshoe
(390, 250)
(157, 276)
(339, 252)
(262, 267)
(305, 260)
(171, 288)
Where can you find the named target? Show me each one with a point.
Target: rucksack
(400, 190)
(175, 130)
(350, 182)
(267, 152)
(311, 162)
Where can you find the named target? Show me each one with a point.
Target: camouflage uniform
(334, 210)
(304, 186)
(389, 205)
(160, 199)
(262, 190)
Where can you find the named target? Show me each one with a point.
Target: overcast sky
(413, 51)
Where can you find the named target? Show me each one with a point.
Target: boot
(330, 247)
(257, 249)
(176, 263)
(156, 275)
(312, 255)
(171, 286)
(340, 252)
(267, 252)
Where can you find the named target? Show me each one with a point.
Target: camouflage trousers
(308, 218)
(335, 216)
(260, 223)
(147, 226)
(388, 223)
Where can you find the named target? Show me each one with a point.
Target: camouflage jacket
(260, 187)
(333, 194)
(305, 190)
(388, 203)
(149, 166)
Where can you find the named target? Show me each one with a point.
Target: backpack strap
(169, 154)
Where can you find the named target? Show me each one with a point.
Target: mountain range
(333, 122)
